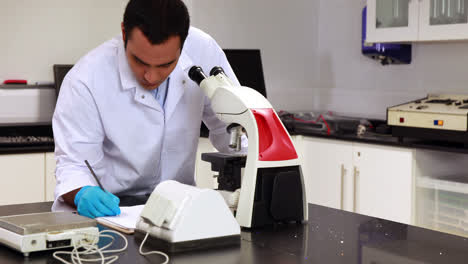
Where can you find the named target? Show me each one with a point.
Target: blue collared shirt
(160, 93)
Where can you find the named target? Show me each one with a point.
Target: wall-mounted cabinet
(416, 20)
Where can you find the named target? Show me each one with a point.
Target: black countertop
(368, 137)
(25, 131)
(26, 149)
(330, 236)
(389, 140)
(372, 131)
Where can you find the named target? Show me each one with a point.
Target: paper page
(127, 219)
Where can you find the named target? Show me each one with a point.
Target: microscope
(271, 185)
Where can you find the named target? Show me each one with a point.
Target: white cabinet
(27, 178)
(416, 20)
(326, 166)
(22, 178)
(368, 179)
(49, 176)
(384, 181)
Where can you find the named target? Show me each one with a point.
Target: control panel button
(438, 122)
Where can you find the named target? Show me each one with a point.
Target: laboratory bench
(342, 171)
(19, 139)
(47, 145)
(330, 236)
(26, 149)
(377, 139)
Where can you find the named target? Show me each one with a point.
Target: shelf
(27, 86)
(448, 184)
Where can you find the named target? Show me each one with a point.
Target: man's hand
(92, 201)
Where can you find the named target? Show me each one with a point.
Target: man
(129, 108)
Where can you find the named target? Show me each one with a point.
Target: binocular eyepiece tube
(197, 75)
(216, 70)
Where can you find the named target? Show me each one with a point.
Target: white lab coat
(104, 116)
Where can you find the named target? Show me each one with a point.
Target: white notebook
(126, 221)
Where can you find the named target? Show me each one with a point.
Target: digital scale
(44, 231)
(436, 117)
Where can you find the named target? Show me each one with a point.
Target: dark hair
(157, 19)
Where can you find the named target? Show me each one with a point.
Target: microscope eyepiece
(216, 70)
(196, 74)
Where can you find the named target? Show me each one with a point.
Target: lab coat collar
(179, 82)
(129, 81)
(126, 75)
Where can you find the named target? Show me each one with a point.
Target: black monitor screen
(60, 70)
(247, 65)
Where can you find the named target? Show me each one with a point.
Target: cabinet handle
(343, 172)
(355, 179)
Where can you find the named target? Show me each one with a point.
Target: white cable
(152, 252)
(77, 256)
(93, 249)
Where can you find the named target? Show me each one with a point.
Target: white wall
(189, 4)
(350, 82)
(312, 55)
(37, 34)
(310, 49)
(285, 31)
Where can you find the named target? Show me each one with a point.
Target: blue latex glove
(92, 201)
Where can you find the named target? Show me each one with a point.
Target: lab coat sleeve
(78, 136)
(218, 133)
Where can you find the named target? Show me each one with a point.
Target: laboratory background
(353, 108)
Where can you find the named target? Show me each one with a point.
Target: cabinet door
(326, 166)
(383, 179)
(22, 178)
(443, 20)
(49, 176)
(392, 20)
(203, 174)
